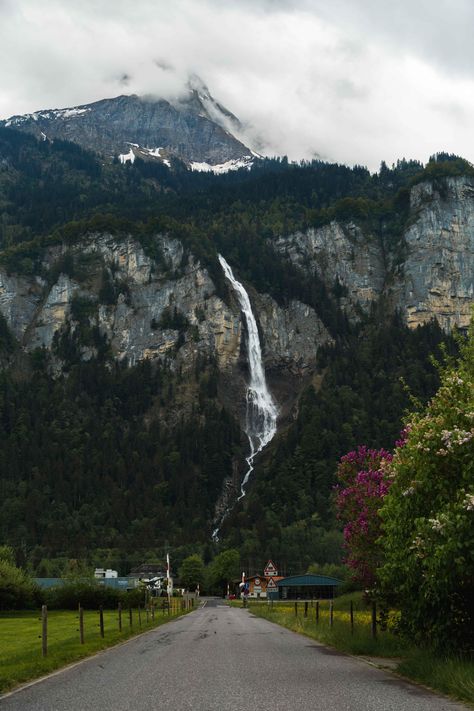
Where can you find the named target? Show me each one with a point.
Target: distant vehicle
(231, 597)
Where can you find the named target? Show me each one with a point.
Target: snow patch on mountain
(127, 157)
(48, 115)
(156, 153)
(245, 162)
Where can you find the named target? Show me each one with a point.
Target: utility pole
(168, 577)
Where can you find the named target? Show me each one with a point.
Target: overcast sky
(357, 81)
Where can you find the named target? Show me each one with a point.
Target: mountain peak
(195, 128)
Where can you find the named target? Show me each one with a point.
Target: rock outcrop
(169, 310)
(430, 276)
(436, 278)
(340, 254)
(291, 335)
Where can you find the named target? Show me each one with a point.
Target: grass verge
(20, 640)
(452, 676)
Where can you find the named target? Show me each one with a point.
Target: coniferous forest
(96, 461)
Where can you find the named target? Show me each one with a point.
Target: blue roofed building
(305, 587)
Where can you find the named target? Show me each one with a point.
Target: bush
(17, 590)
(88, 594)
(91, 596)
(428, 516)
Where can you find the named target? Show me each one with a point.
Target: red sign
(271, 585)
(270, 569)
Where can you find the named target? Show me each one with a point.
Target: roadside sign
(270, 569)
(271, 585)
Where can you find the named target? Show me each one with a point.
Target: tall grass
(360, 641)
(450, 675)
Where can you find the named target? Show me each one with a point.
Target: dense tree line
(90, 459)
(369, 381)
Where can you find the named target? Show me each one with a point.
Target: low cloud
(354, 82)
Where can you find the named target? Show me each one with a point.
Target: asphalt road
(223, 659)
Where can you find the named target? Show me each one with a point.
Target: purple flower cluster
(403, 437)
(363, 483)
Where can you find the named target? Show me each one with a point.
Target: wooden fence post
(139, 616)
(306, 609)
(352, 617)
(153, 609)
(374, 620)
(120, 616)
(331, 613)
(296, 609)
(101, 620)
(44, 630)
(317, 612)
(81, 624)
(130, 617)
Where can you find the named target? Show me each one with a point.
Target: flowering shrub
(362, 483)
(428, 515)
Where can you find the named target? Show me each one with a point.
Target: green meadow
(20, 639)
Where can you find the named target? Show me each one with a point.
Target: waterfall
(261, 412)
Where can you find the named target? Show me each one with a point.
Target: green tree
(428, 515)
(17, 589)
(191, 572)
(223, 569)
(7, 554)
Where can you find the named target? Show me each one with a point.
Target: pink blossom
(362, 484)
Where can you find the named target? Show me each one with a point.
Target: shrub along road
(223, 659)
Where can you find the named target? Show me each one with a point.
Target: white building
(101, 573)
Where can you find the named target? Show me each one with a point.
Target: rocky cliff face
(168, 311)
(437, 275)
(340, 254)
(434, 277)
(195, 129)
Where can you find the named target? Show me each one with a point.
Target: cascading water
(262, 413)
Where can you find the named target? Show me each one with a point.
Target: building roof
(147, 569)
(309, 579)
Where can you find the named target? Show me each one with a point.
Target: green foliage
(91, 459)
(82, 308)
(191, 572)
(56, 193)
(7, 341)
(453, 675)
(225, 568)
(445, 165)
(450, 675)
(17, 589)
(7, 555)
(20, 646)
(340, 635)
(341, 572)
(90, 595)
(288, 513)
(101, 457)
(428, 515)
(173, 319)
